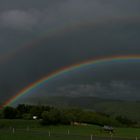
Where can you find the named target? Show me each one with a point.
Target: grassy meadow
(30, 129)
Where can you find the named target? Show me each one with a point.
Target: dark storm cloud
(72, 47)
(18, 19)
(106, 28)
(31, 18)
(54, 14)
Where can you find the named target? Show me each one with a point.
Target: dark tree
(51, 117)
(9, 113)
(124, 120)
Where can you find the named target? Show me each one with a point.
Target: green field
(28, 130)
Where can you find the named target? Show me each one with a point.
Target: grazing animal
(107, 128)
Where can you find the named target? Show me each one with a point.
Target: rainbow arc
(65, 70)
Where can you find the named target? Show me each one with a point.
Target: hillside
(129, 109)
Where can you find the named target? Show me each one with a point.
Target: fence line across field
(67, 134)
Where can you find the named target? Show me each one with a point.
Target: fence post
(136, 138)
(49, 133)
(13, 130)
(68, 132)
(111, 136)
(91, 137)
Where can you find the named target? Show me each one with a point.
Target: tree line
(48, 115)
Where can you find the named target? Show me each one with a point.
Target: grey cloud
(112, 90)
(119, 85)
(80, 11)
(81, 90)
(18, 19)
(59, 14)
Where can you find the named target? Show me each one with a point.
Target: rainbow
(65, 70)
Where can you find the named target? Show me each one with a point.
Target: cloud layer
(55, 14)
(18, 19)
(96, 28)
(122, 90)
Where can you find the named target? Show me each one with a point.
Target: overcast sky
(40, 36)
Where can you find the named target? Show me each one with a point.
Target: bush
(9, 113)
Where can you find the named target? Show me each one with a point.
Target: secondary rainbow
(65, 70)
(54, 32)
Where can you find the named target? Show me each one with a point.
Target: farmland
(29, 129)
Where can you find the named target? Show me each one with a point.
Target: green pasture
(29, 129)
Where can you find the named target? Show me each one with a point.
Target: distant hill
(129, 109)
